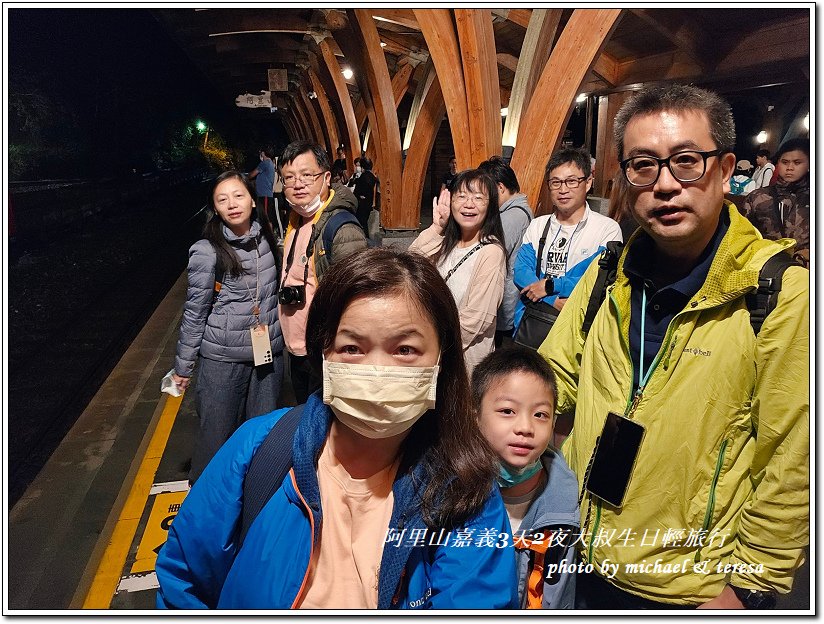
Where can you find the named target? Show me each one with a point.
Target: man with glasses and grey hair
(691, 412)
(322, 230)
(557, 248)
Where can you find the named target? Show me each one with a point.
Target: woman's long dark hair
(474, 180)
(227, 260)
(459, 463)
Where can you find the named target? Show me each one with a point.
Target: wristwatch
(549, 285)
(755, 599)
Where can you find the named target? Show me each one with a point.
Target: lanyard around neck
(643, 378)
(291, 256)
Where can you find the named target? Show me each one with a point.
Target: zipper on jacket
(594, 529)
(311, 546)
(669, 354)
(711, 500)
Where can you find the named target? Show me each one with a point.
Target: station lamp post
(202, 127)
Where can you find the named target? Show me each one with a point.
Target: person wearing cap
(741, 183)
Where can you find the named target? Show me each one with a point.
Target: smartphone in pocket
(615, 456)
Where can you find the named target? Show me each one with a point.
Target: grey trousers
(226, 395)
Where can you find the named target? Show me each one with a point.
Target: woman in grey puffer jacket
(230, 388)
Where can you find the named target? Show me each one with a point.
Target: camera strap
(462, 260)
(291, 256)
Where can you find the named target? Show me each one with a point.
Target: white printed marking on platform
(169, 486)
(138, 582)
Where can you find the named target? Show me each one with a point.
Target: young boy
(515, 390)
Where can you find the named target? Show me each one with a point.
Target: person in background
(515, 217)
(514, 391)
(304, 168)
(391, 485)
(764, 169)
(465, 241)
(446, 183)
(741, 183)
(264, 177)
(339, 171)
(782, 210)
(236, 255)
(364, 189)
(575, 235)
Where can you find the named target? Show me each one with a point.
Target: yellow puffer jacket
(724, 463)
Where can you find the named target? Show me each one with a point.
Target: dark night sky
(121, 78)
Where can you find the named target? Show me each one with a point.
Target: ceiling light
(383, 44)
(348, 73)
(582, 97)
(762, 137)
(504, 112)
(807, 121)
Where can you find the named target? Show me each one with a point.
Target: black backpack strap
(541, 245)
(763, 300)
(607, 270)
(270, 464)
(335, 222)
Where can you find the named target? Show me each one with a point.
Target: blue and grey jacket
(554, 511)
(201, 566)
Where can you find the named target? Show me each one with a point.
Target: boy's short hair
(509, 360)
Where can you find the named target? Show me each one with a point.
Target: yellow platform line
(107, 577)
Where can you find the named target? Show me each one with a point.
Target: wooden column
(303, 117)
(606, 152)
(345, 102)
(385, 124)
(442, 41)
(400, 84)
(426, 125)
(296, 122)
(480, 70)
(326, 111)
(543, 24)
(291, 131)
(551, 104)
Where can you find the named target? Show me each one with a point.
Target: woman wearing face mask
(465, 241)
(232, 293)
(391, 481)
(363, 186)
(782, 210)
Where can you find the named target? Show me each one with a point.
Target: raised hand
(441, 208)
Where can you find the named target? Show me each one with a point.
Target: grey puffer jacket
(515, 217)
(222, 332)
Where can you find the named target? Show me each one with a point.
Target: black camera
(292, 295)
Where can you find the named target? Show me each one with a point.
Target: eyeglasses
(305, 178)
(687, 166)
(571, 183)
(462, 199)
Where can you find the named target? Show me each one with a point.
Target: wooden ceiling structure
(468, 64)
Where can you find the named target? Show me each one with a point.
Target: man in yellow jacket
(691, 434)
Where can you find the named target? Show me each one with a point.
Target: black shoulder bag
(539, 316)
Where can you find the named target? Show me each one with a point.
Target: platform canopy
(469, 64)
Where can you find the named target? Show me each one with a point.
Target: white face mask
(310, 209)
(379, 401)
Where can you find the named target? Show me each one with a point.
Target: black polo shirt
(662, 303)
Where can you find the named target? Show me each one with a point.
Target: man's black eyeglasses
(686, 166)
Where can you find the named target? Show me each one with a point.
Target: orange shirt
(356, 512)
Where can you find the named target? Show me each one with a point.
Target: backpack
(760, 302)
(269, 466)
(340, 218)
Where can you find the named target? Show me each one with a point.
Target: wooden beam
(404, 17)
(542, 127)
(303, 115)
(483, 95)
(400, 84)
(775, 42)
(510, 61)
(321, 133)
(607, 69)
(520, 17)
(606, 154)
(289, 124)
(442, 40)
(537, 45)
(681, 32)
(344, 101)
(379, 99)
(424, 84)
(326, 111)
(426, 125)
